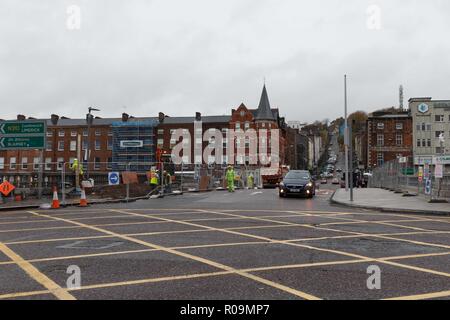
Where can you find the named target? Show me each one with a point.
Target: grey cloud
(201, 55)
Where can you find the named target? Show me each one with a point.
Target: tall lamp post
(89, 120)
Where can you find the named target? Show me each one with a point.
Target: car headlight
(281, 185)
(309, 185)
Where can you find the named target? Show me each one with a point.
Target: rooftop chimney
(54, 118)
(198, 116)
(125, 117)
(21, 117)
(161, 117)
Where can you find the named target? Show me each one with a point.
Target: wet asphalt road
(245, 245)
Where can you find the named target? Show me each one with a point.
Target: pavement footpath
(384, 200)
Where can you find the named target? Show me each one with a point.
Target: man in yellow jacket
(76, 166)
(229, 175)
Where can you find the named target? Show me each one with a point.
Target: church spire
(264, 109)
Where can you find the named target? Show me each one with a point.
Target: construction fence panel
(37, 181)
(399, 177)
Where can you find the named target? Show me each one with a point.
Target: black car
(299, 183)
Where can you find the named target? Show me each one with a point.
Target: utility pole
(351, 162)
(89, 120)
(346, 138)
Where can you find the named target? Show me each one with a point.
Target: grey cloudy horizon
(142, 57)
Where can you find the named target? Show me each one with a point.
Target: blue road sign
(428, 186)
(114, 178)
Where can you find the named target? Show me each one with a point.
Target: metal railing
(37, 180)
(401, 177)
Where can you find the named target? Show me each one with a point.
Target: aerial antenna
(400, 94)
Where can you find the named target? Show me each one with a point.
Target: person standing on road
(250, 181)
(167, 182)
(230, 178)
(153, 179)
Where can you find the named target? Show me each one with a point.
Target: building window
(12, 163)
(423, 126)
(110, 144)
(429, 143)
(49, 145)
(109, 164)
(85, 133)
(419, 144)
(160, 143)
(238, 126)
(60, 145)
(60, 163)
(424, 143)
(439, 118)
(36, 161)
(110, 133)
(247, 125)
(84, 145)
(96, 163)
(2, 163)
(428, 126)
(380, 126)
(160, 131)
(380, 159)
(73, 133)
(438, 133)
(439, 150)
(48, 164)
(98, 133)
(24, 163)
(97, 145)
(49, 133)
(173, 142)
(73, 146)
(399, 126)
(380, 140)
(399, 139)
(61, 133)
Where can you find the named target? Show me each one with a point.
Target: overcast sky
(143, 56)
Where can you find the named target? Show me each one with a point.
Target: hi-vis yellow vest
(153, 178)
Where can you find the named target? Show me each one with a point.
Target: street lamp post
(87, 155)
(442, 145)
(346, 137)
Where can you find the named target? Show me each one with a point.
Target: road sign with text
(16, 135)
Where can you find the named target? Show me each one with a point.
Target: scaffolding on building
(133, 145)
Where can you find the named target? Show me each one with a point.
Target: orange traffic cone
(55, 202)
(83, 200)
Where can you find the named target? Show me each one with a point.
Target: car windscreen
(298, 175)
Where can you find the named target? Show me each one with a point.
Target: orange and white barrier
(83, 200)
(55, 202)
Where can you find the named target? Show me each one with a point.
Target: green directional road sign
(14, 128)
(16, 135)
(22, 143)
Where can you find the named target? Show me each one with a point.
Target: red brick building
(389, 136)
(62, 140)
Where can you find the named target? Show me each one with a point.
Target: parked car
(323, 181)
(335, 181)
(299, 183)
